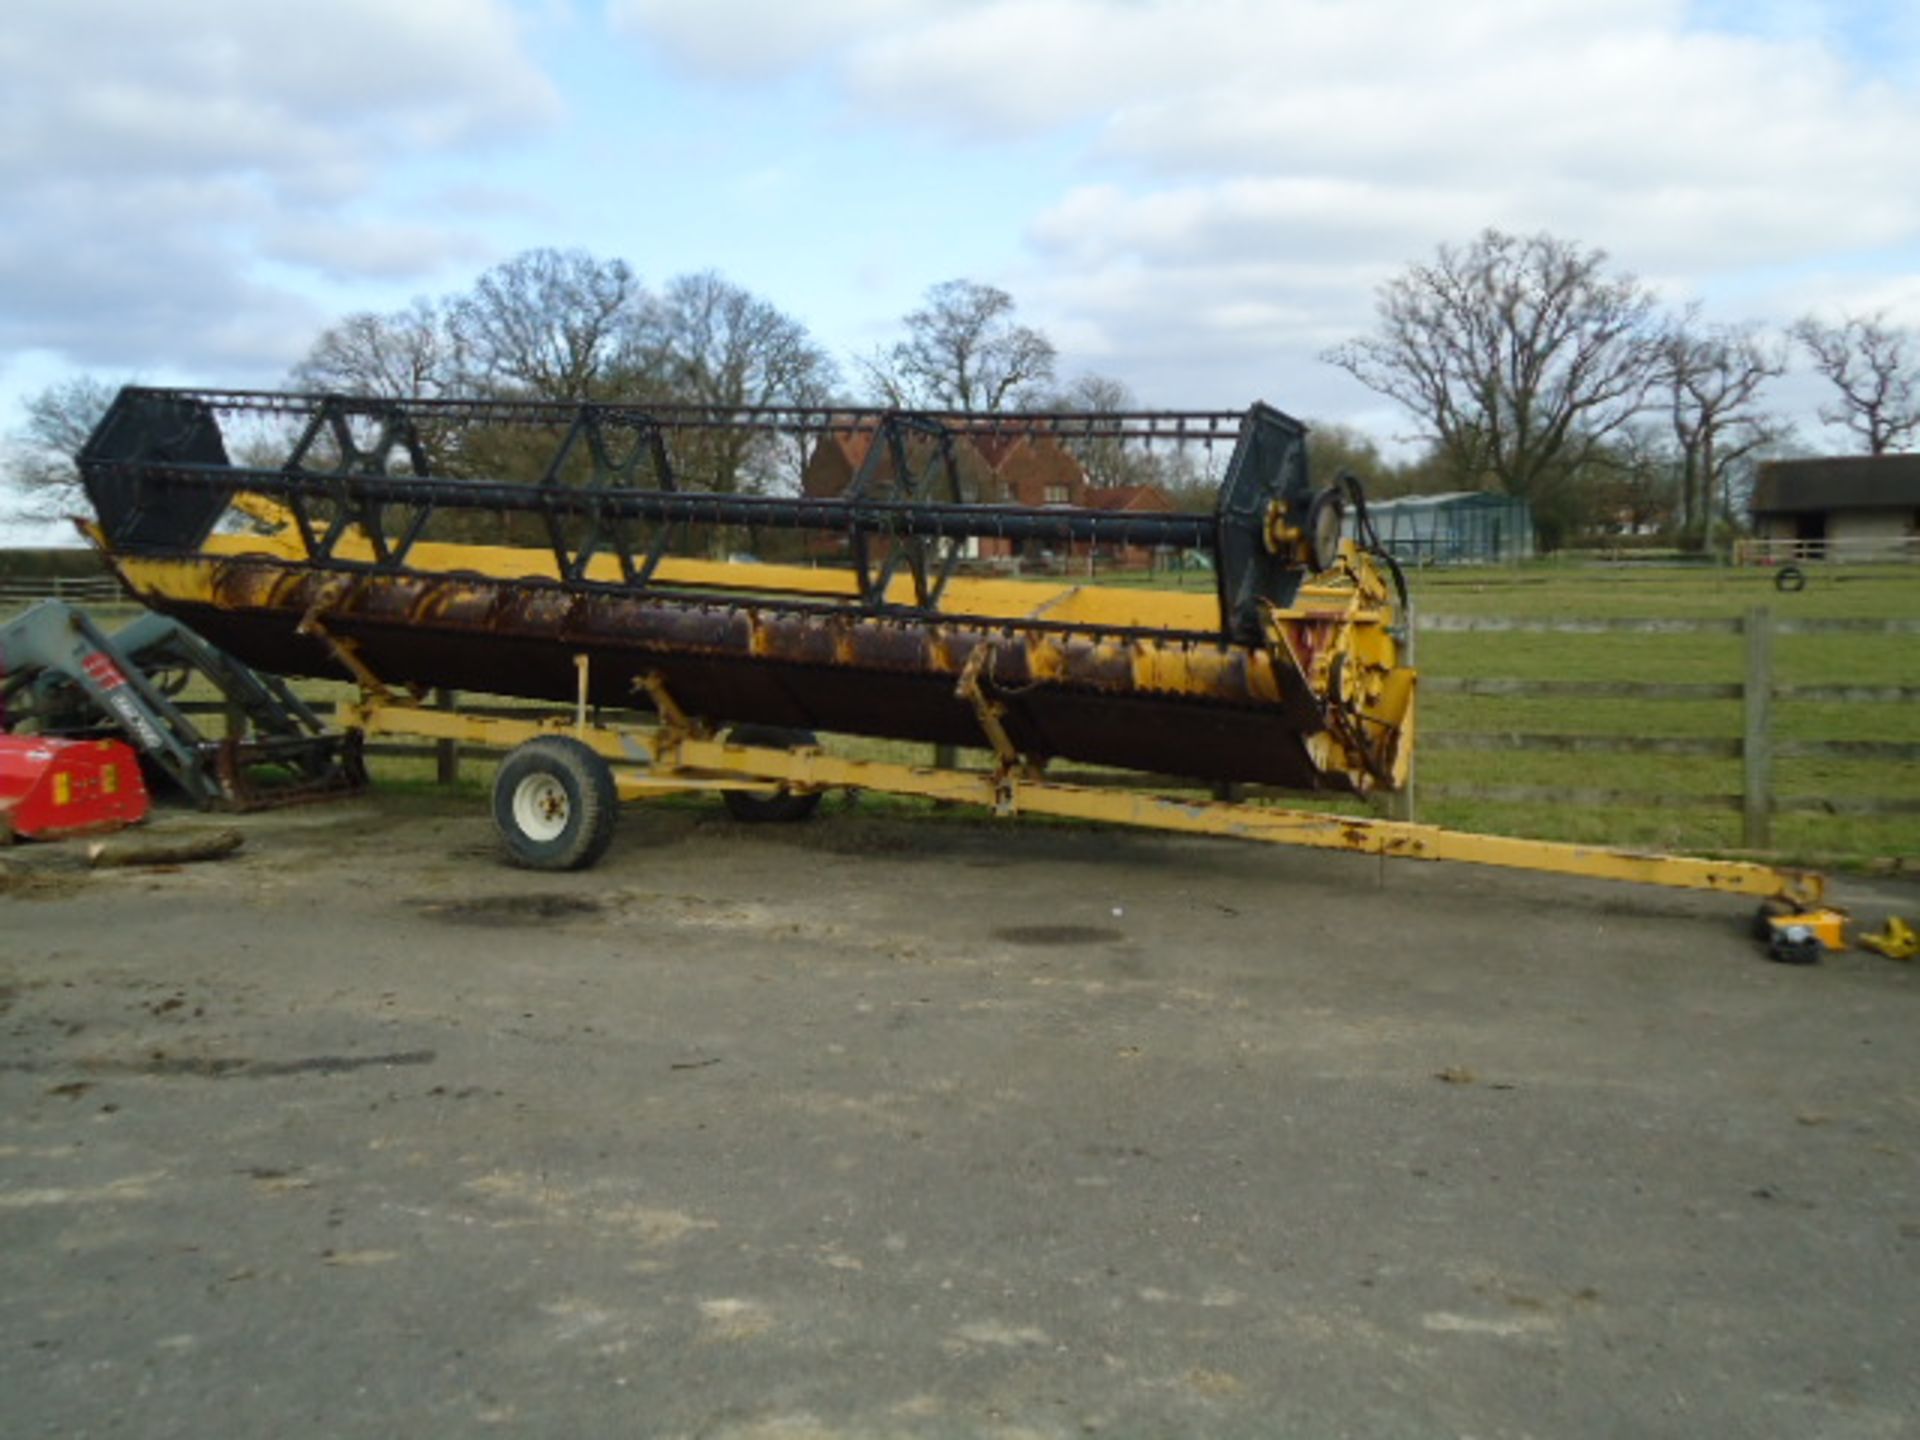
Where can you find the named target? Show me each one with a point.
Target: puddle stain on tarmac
(1057, 935)
(533, 909)
(223, 1067)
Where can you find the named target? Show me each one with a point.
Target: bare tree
(1713, 378)
(1637, 480)
(1519, 357)
(410, 354)
(717, 344)
(1190, 474)
(552, 324)
(1334, 449)
(40, 459)
(712, 343)
(407, 354)
(1876, 369)
(1096, 395)
(963, 351)
(1108, 461)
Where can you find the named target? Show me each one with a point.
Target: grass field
(1670, 816)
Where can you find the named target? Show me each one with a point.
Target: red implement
(51, 788)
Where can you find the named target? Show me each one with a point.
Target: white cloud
(1607, 116)
(740, 39)
(346, 248)
(1250, 169)
(303, 95)
(1835, 294)
(161, 161)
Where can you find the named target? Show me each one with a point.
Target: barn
(1461, 527)
(1845, 507)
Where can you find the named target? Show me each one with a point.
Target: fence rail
(1865, 550)
(1664, 745)
(1509, 624)
(1580, 689)
(1590, 796)
(82, 590)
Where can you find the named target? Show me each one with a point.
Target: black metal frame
(158, 473)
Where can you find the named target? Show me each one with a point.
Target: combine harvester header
(535, 550)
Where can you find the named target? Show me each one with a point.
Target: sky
(1197, 197)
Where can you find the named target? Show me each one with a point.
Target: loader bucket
(54, 788)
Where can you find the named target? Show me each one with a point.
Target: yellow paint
(1897, 941)
(695, 762)
(266, 511)
(1094, 605)
(62, 788)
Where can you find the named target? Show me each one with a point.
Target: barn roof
(1840, 482)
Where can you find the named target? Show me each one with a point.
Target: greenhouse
(1466, 527)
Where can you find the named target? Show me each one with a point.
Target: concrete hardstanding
(931, 1127)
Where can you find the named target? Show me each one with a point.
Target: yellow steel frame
(682, 754)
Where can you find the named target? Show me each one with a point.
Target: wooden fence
(1757, 746)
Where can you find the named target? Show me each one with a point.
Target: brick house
(1134, 499)
(996, 467)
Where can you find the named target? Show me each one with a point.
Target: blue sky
(1197, 196)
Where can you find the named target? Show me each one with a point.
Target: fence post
(446, 753)
(1757, 743)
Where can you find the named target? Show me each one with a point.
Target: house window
(1056, 495)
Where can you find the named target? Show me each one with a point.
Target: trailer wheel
(783, 807)
(554, 804)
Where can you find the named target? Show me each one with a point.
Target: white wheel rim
(541, 808)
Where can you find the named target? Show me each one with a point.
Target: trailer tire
(555, 805)
(785, 807)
